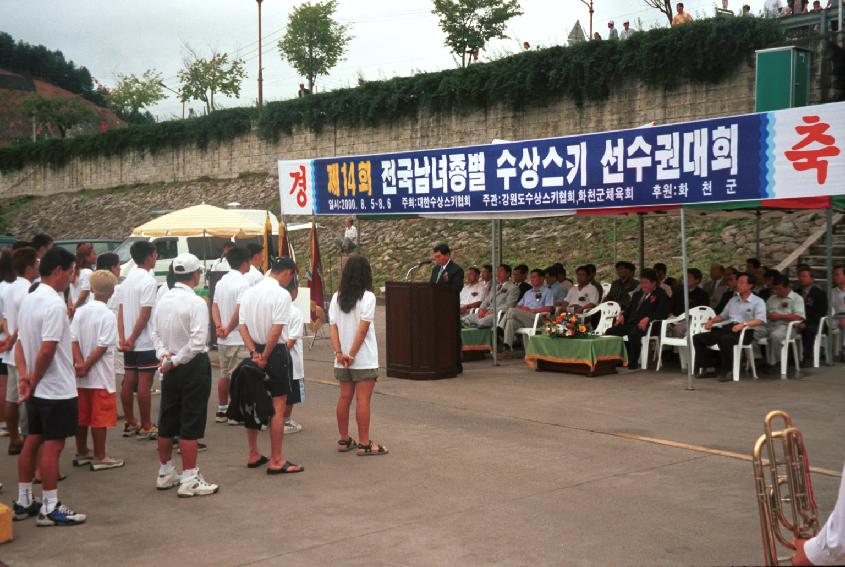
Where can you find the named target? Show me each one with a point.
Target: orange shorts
(97, 408)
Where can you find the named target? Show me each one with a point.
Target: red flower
(652, 299)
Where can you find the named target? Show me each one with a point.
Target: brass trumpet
(784, 488)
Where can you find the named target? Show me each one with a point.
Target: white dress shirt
(828, 547)
(180, 325)
(262, 306)
(473, 293)
(583, 296)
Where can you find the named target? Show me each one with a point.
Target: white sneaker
(169, 480)
(196, 486)
(82, 460)
(292, 427)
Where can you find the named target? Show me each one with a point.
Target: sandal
(286, 469)
(346, 445)
(369, 450)
(262, 461)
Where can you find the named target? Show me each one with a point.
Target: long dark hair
(357, 278)
(7, 272)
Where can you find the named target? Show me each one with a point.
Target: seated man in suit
(506, 297)
(520, 279)
(730, 289)
(623, 287)
(782, 307)
(536, 300)
(744, 310)
(815, 304)
(649, 304)
(473, 292)
(584, 295)
(697, 298)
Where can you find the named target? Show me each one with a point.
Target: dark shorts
(53, 420)
(279, 371)
(295, 396)
(140, 360)
(184, 399)
(4, 370)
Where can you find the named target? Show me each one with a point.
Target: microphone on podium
(415, 267)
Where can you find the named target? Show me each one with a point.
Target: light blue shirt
(742, 310)
(558, 291)
(531, 300)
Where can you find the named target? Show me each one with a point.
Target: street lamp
(177, 93)
(260, 76)
(589, 5)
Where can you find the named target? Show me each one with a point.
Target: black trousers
(808, 338)
(723, 359)
(634, 344)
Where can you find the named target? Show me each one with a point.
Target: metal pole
(493, 284)
(829, 218)
(685, 265)
(260, 75)
(757, 214)
(642, 242)
(615, 249)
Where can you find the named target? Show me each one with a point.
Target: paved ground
(501, 466)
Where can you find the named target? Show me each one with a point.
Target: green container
(782, 78)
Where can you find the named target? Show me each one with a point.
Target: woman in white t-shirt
(352, 316)
(79, 290)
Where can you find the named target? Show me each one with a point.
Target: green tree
(202, 78)
(133, 94)
(60, 113)
(314, 41)
(470, 24)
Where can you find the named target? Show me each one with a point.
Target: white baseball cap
(185, 264)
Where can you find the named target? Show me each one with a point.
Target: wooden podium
(422, 331)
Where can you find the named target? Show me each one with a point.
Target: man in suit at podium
(445, 271)
(649, 304)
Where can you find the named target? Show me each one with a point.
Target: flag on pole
(268, 241)
(284, 243)
(315, 283)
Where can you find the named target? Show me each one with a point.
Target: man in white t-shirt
(583, 294)
(265, 312)
(224, 312)
(292, 335)
(256, 262)
(93, 334)
(135, 302)
(473, 292)
(25, 263)
(350, 237)
(48, 386)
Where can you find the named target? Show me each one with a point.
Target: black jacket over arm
(654, 310)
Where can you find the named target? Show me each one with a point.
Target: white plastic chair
(609, 310)
(605, 288)
(698, 316)
(532, 330)
(646, 343)
(826, 325)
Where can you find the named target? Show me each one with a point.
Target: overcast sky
(391, 37)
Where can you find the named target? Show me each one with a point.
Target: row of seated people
(654, 297)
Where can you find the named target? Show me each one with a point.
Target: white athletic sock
(222, 409)
(165, 468)
(51, 498)
(25, 494)
(189, 473)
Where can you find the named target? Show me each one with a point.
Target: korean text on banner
(296, 183)
(789, 153)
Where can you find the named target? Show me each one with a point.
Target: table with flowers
(566, 345)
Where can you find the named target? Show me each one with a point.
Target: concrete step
(821, 250)
(821, 261)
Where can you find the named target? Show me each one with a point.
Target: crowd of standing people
(72, 334)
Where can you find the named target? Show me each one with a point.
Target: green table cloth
(477, 339)
(588, 351)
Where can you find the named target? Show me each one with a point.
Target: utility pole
(177, 93)
(589, 5)
(260, 76)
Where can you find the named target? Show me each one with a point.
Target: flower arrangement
(567, 325)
